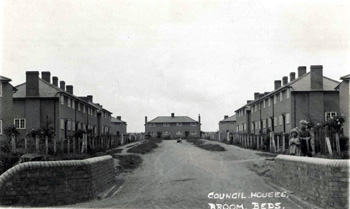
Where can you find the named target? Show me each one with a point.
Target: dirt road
(184, 176)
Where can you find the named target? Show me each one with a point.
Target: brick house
(311, 96)
(6, 104)
(38, 103)
(173, 127)
(228, 124)
(118, 126)
(344, 97)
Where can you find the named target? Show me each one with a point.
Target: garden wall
(50, 183)
(324, 182)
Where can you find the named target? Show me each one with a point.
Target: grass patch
(210, 147)
(156, 140)
(144, 147)
(128, 162)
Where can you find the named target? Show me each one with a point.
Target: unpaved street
(181, 176)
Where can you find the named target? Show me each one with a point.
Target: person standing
(305, 137)
(294, 142)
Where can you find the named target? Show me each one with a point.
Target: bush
(8, 160)
(344, 143)
(144, 147)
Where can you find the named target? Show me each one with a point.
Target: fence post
(273, 145)
(79, 144)
(62, 145)
(337, 142)
(328, 142)
(262, 142)
(68, 145)
(13, 143)
(26, 144)
(93, 142)
(46, 145)
(278, 143)
(74, 144)
(37, 143)
(283, 142)
(54, 145)
(257, 142)
(312, 142)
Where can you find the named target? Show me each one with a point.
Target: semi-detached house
(311, 96)
(6, 104)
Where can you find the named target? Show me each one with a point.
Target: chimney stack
(89, 97)
(225, 116)
(172, 115)
(32, 83)
(285, 80)
(199, 119)
(301, 70)
(55, 81)
(119, 117)
(316, 76)
(256, 95)
(46, 76)
(249, 101)
(69, 89)
(277, 84)
(63, 85)
(145, 120)
(292, 76)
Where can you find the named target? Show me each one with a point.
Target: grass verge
(210, 147)
(143, 148)
(128, 162)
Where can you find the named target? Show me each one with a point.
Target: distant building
(6, 104)
(173, 127)
(38, 103)
(118, 127)
(228, 124)
(344, 97)
(311, 96)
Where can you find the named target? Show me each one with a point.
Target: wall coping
(315, 161)
(49, 164)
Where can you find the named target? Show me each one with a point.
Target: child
(294, 143)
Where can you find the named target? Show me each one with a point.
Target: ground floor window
(166, 133)
(20, 123)
(179, 133)
(193, 132)
(330, 115)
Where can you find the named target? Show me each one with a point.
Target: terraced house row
(39, 103)
(310, 96)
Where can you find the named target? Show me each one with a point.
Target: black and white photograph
(175, 104)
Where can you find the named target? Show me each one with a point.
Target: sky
(152, 58)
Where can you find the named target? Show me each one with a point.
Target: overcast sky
(154, 57)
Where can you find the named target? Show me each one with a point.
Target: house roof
(229, 119)
(3, 78)
(175, 119)
(345, 77)
(116, 120)
(301, 83)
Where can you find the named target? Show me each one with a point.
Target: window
(62, 99)
(288, 93)
(264, 104)
(244, 127)
(20, 123)
(88, 109)
(178, 124)
(269, 123)
(69, 102)
(287, 118)
(154, 133)
(84, 109)
(193, 124)
(252, 127)
(0, 126)
(62, 124)
(166, 133)
(78, 106)
(166, 124)
(69, 125)
(330, 115)
(152, 125)
(281, 96)
(79, 125)
(274, 99)
(281, 119)
(1, 94)
(269, 102)
(73, 125)
(73, 104)
(193, 132)
(275, 121)
(264, 123)
(179, 133)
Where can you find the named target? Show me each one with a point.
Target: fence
(84, 144)
(322, 141)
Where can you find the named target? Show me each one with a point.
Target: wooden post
(26, 144)
(93, 142)
(337, 142)
(312, 142)
(46, 145)
(74, 145)
(68, 145)
(62, 145)
(262, 142)
(54, 145)
(278, 143)
(328, 143)
(79, 144)
(86, 143)
(37, 143)
(283, 142)
(272, 142)
(13, 143)
(257, 143)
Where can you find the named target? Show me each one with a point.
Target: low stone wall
(49, 183)
(324, 182)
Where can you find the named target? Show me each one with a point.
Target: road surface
(184, 176)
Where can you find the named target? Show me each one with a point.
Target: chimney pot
(145, 120)
(90, 97)
(63, 85)
(55, 81)
(226, 116)
(277, 84)
(292, 76)
(285, 80)
(172, 115)
(69, 89)
(301, 70)
(32, 83)
(256, 95)
(119, 117)
(46, 76)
